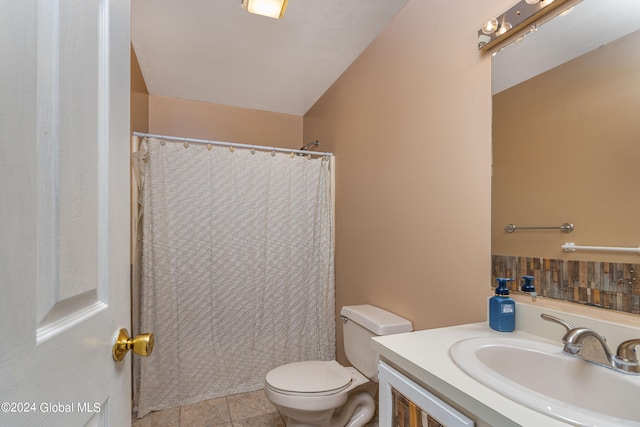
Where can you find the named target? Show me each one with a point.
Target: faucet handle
(627, 351)
(564, 323)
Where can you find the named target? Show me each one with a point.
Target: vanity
(423, 360)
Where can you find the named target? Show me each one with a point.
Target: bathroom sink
(538, 375)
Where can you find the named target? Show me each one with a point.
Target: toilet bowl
(327, 394)
(308, 393)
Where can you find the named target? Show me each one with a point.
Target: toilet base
(310, 420)
(357, 411)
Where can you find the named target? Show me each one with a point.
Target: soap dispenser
(528, 286)
(502, 309)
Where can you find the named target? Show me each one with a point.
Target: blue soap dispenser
(528, 284)
(502, 309)
(529, 287)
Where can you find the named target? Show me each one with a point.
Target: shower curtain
(237, 269)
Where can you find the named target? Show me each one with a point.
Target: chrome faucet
(627, 353)
(596, 350)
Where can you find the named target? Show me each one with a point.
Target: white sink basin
(538, 375)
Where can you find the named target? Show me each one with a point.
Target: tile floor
(239, 410)
(251, 409)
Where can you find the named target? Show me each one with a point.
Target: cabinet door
(404, 403)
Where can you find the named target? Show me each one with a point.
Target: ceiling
(214, 51)
(588, 26)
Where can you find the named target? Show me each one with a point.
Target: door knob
(141, 345)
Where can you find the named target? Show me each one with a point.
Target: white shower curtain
(237, 274)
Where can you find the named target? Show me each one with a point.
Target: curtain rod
(232, 144)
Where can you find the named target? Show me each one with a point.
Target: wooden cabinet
(405, 413)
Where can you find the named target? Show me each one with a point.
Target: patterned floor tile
(268, 420)
(208, 413)
(247, 405)
(251, 409)
(167, 418)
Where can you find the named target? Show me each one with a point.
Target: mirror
(566, 149)
(566, 134)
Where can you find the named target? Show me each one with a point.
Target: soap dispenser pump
(528, 286)
(502, 309)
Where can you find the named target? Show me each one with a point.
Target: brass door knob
(141, 345)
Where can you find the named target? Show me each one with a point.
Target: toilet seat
(309, 378)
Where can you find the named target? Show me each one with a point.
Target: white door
(64, 212)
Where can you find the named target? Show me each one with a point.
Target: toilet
(327, 394)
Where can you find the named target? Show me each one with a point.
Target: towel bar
(565, 228)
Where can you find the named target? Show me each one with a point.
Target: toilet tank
(360, 324)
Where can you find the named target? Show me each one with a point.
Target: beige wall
(139, 97)
(410, 124)
(140, 123)
(566, 150)
(177, 117)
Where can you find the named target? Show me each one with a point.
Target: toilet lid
(309, 377)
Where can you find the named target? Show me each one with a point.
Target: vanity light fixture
(516, 20)
(270, 8)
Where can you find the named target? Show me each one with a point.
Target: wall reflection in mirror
(566, 148)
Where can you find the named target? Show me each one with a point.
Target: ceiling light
(513, 22)
(270, 8)
(490, 27)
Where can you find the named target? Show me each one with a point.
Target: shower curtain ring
(186, 144)
(253, 150)
(231, 148)
(273, 153)
(162, 141)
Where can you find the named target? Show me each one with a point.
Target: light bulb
(504, 28)
(490, 27)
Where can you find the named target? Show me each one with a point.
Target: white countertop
(424, 355)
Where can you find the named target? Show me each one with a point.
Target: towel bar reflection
(565, 228)
(571, 247)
